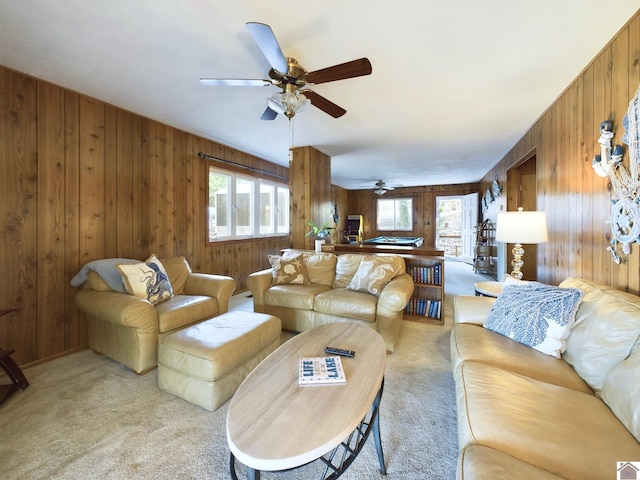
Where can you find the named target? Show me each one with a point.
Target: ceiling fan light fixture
(288, 103)
(380, 191)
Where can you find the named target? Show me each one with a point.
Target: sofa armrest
(395, 295)
(220, 287)
(118, 308)
(258, 283)
(390, 310)
(471, 309)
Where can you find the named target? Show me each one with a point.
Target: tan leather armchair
(127, 328)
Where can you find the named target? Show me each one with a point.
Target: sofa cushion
(321, 267)
(540, 316)
(346, 267)
(178, 270)
(477, 462)
(374, 272)
(288, 270)
(300, 297)
(470, 342)
(347, 303)
(147, 280)
(568, 433)
(606, 329)
(621, 391)
(182, 310)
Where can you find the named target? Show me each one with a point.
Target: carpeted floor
(85, 416)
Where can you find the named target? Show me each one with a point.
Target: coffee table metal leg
(252, 473)
(376, 433)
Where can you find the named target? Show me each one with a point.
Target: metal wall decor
(625, 182)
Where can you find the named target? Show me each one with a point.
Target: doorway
(522, 192)
(456, 219)
(449, 225)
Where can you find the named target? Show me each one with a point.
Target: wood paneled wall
(84, 180)
(363, 202)
(565, 140)
(310, 188)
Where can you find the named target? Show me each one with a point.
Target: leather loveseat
(127, 328)
(369, 289)
(529, 415)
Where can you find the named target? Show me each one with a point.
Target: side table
(488, 289)
(18, 380)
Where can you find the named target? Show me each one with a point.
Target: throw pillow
(289, 270)
(537, 315)
(147, 280)
(373, 274)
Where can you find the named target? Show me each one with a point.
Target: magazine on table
(321, 371)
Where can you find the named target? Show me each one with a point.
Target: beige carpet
(85, 416)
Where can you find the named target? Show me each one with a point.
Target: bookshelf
(485, 257)
(427, 302)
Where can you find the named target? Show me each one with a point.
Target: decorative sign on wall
(625, 182)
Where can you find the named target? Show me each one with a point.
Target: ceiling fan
(286, 73)
(381, 188)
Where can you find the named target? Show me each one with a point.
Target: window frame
(255, 210)
(395, 227)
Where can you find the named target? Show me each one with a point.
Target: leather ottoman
(205, 363)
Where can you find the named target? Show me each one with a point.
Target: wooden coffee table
(275, 424)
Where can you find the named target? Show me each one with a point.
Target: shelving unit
(427, 303)
(485, 252)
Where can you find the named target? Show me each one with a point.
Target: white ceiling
(454, 85)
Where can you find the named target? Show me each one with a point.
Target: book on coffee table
(321, 371)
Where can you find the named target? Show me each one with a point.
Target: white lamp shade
(521, 227)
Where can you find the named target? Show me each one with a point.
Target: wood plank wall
(565, 140)
(84, 180)
(310, 188)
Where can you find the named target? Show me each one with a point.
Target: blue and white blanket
(106, 268)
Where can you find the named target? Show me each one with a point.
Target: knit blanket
(106, 268)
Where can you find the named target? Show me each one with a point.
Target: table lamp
(518, 228)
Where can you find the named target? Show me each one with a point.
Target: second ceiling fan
(287, 74)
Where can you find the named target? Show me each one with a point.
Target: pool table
(399, 241)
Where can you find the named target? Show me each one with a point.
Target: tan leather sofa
(327, 299)
(127, 328)
(524, 414)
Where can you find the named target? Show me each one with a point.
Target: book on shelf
(428, 275)
(321, 371)
(424, 307)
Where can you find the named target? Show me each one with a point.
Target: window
(395, 214)
(242, 206)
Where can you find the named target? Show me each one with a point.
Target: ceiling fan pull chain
(291, 129)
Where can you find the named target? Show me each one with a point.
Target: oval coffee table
(274, 424)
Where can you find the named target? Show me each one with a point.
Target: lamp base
(517, 263)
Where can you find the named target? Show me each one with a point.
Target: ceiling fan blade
(323, 104)
(269, 114)
(354, 68)
(236, 82)
(266, 41)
